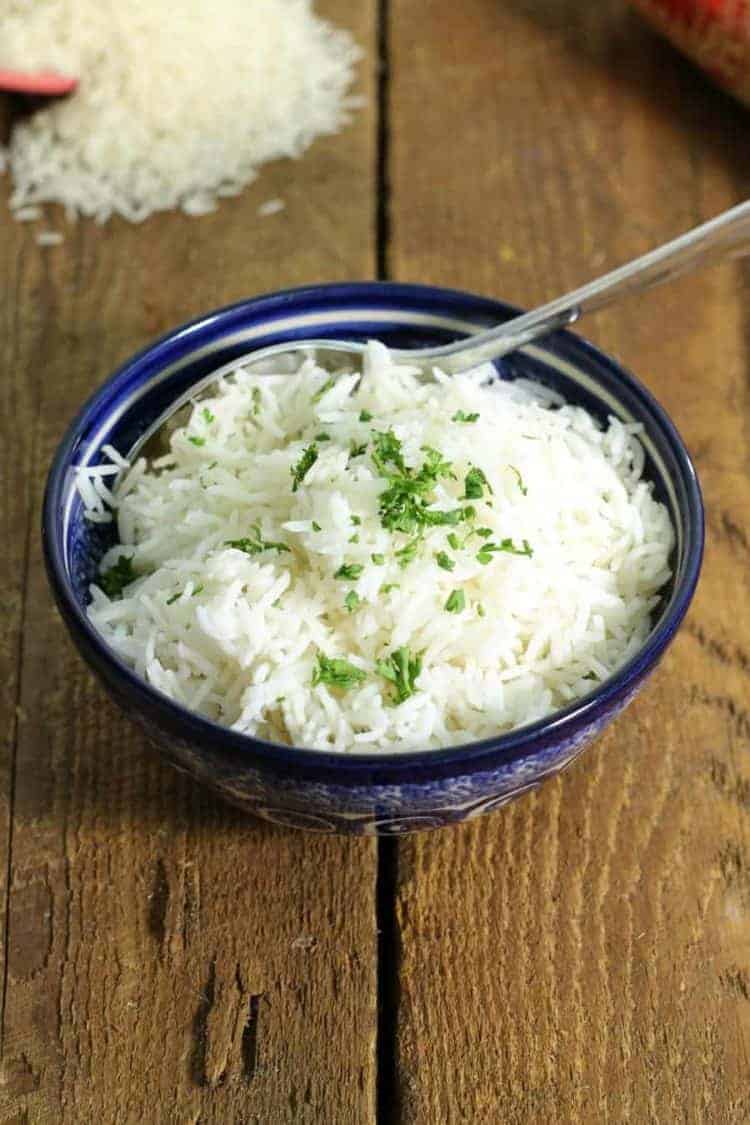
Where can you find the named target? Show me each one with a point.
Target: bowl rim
(507, 748)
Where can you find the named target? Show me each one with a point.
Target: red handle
(43, 82)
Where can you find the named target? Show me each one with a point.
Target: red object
(715, 33)
(43, 83)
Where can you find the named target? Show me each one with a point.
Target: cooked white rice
(551, 579)
(177, 105)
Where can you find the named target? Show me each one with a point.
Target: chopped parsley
(356, 520)
(391, 586)
(256, 400)
(365, 416)
(196, 440)
(432, 517)
(379, 560)
(337, 672)
(445, 561)
(387, 450)
(487, 550)
(402, 670)
(357, 450)
(404, 504)
(255, 543)
(461, 416)
(475, 483)
(207, 416)
(350, 571)
(303, 466)
(454, 541)
(323, 390)
(519, 478)
(480, 610)
(316, 526)
(114, 580)
(434, 467)
(408, 552)
(323, 436)
(351, 601)
(353, 538)
(173, 599)
(456, 602)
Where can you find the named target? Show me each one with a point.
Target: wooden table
(584, 955)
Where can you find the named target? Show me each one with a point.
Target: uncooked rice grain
(177, 105)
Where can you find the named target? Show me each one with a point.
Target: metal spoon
(726, 235)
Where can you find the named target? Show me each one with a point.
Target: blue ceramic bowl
(369, 792)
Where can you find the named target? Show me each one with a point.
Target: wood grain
(167, 960)
(584, 955)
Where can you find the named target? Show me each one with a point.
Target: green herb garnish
(337, 672)
(480, 610)
(114, 580)
(391, 586)
(199, 589)
(456, 602)
(316, 526)
(351, 601)
(408, 552)
(434, 467)
(207, 416)
(353, 538)
(445, 561)
(461, 416)
(379, 560)
(196, 440)
(387, 450)
(357, 450)
(349, 571)
(323, 390)
(435, 517)
(507, 546)
(402, 670)
(475, 483)
(256, 400)
(255, 543)
(173, 599)
(356, 521)
(404, 504)
(365, 416)
(303, 466)
(519, 478)
(454, 541)
(323, 436)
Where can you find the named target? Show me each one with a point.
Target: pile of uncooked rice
(178, 104)
(381, 564)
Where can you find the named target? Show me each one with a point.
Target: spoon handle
(727, 234)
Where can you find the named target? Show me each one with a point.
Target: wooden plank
(584, 955)
(168, 959)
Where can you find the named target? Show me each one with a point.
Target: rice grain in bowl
(461, 695)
